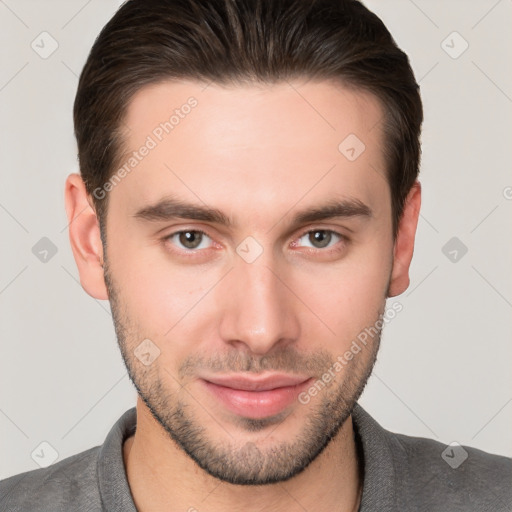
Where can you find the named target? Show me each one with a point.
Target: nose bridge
(259, 310)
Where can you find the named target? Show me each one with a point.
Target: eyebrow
(171, 208)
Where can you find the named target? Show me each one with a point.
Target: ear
(404, 243)
(84, 235)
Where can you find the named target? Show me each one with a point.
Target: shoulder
(453, 477)
(417, 474)
(70, 483)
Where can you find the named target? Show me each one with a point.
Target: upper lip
(257, 382)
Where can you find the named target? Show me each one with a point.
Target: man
(248, 200)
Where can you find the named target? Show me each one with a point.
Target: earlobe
(404, 243)
(85, 238)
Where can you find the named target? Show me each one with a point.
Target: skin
(260, 154)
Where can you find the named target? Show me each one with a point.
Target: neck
(163, 477)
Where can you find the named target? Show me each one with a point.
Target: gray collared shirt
(401, 473)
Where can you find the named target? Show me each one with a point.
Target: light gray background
(444, 366)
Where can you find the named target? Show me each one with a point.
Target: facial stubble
(243, 463)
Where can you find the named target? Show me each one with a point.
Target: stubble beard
(245, 463)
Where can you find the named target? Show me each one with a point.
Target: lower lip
(256, 404)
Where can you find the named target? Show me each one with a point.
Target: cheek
(350, 296)
(161, 298)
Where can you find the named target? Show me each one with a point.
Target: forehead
(274, 143)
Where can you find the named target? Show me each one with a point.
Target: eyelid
(323, 228)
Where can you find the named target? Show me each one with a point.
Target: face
(249, 250)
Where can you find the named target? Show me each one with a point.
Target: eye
(321, 238)
(189, 239)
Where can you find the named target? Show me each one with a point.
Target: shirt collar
(112, 480)
(379, 450)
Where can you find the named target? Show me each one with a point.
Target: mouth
(256, 396)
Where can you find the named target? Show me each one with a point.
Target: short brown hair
(238, 42)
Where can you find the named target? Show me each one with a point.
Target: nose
(259, 309)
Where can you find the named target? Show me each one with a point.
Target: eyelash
(328, 250)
